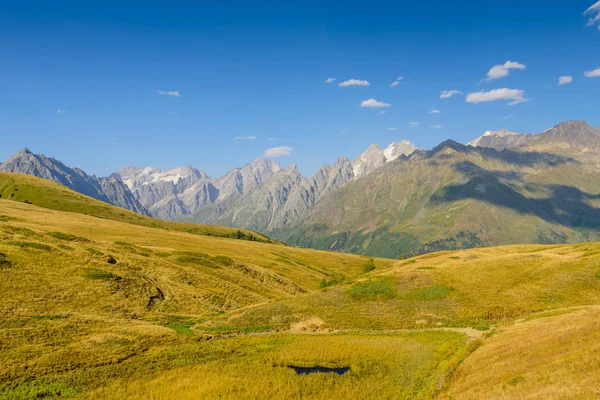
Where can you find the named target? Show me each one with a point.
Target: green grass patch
(233, 329)
(67, 237)
(383, 288)
(98, 274)
(515, 380)
(30, 245)
(598, 274)
(197, 258)
(94, 251)
(38, 389)
(435, 292)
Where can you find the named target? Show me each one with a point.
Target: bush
(369, 265)
(4, 260)
(332, 281)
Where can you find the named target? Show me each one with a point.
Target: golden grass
(408, 366)
(552, 357)
(97, 308)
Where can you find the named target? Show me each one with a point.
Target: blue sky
(81, 81)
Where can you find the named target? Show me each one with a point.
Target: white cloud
(501, 71)
(438, 126)
(434, 111)
(563, 80)
(372, 103)
(244, 138)
(61, 112)
(354, 82)
(278, 151)
(593, 74)
(381, 112)
(414, 124)
(516, 95)
(330, 80)
(397, 81)
(446, 94)
(392, 129)
(343, 131)
(174, 94)
(594, 10)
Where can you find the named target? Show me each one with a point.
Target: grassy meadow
(109, 305)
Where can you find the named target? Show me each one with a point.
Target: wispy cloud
(381, 112)
(438, 126)
(163, 93)
(594, 11)
(354, 82)
(372, 103)
(509, 116)
(392, 129)
(414, 124)
(501, 71)
(280, 151)
(61, 112)
(397, 81)
(244, 138)
(563, 80)
(593, 74)
(330, 80)
(516, 95)
(446, 94)
(434, 111)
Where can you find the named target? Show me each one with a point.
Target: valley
(103, 307)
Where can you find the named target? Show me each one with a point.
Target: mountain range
(502, 187)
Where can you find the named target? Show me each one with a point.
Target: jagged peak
(449, 144)
(24, 150)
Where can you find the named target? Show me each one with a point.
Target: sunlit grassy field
(99, 307)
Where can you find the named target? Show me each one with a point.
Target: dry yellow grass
(178, 315)
(550, 357)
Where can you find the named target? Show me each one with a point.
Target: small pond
(318, 369)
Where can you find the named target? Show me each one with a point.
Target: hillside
(98, 308)
(453, 197)
(47, 194)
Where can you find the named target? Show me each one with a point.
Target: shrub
(369, 265)
(332, 281)
(4, 260)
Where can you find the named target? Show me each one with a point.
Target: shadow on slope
(564, 205)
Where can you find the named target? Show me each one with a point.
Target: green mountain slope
(456, 197)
